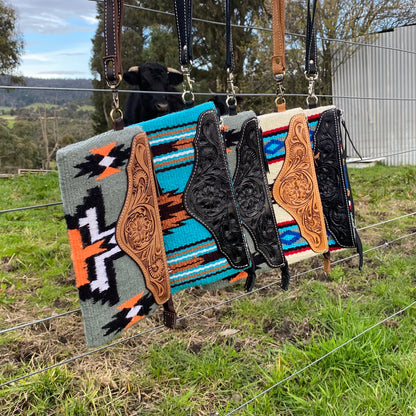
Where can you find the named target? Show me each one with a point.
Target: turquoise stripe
(191, 232)
(174, 155)
(303, 243)
(281, 137)
(172, 138)
(198, 269)
(176, 119)
(224, 274)
(169, 180)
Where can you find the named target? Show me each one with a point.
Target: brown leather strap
(278, 27)
(327, 262)
(139, 229)
(113, 21)
(296, 187)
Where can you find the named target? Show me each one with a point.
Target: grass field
(221, 358)
(9, 120)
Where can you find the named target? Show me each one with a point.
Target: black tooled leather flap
(209, 196)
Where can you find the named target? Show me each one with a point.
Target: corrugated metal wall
(381, 127)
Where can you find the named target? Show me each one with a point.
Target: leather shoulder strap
(229, 56)
(311, 67)
(183, 17)
(113, 72)
(113, 20)
(278, 59)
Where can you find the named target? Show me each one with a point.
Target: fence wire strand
(206, 94)
(295, 276)
(40, 321)
(4, 211)
(161, 327)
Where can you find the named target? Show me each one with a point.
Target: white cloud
(72, 62)
(57, 36)
(43, 16)
(91, 20)
(46, 23)
(36, 57)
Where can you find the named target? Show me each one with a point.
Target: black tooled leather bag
(248, 169)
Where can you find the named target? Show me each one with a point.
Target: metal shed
(382, 121)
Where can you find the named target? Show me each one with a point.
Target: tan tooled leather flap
(296, 187)
(139, 230)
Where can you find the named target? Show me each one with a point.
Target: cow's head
(152, 77)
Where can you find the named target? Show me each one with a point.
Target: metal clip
(231, 90)
(311, 89)
(280, 90)
(187, 86)
(116, 112)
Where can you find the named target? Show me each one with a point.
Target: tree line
(151, 37)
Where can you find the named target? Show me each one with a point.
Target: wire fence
(296, 373)
(24, 325)
(268, 29)
(201, 311)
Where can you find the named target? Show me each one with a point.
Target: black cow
(152, 77)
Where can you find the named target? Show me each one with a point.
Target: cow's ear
(132, 76)
(175, 77)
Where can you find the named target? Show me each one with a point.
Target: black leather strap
(229, 56)
(113, 21)
(113, 71)
(183, 17)
(311, 67)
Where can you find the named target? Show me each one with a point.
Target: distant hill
(22, 97)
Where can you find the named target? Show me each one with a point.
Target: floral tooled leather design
(296, 188)
(139, 230)
(209, 196)
(331, 181)
(253, 195)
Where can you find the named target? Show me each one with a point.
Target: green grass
(9, 119)
(34, 249)
(222, 358)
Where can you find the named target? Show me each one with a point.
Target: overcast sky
(57, 36)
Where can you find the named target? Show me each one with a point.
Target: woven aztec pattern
(275, 128)
(93, 181)
(193, 254)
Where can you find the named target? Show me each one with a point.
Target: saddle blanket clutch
(150, 210)
(292, 179)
